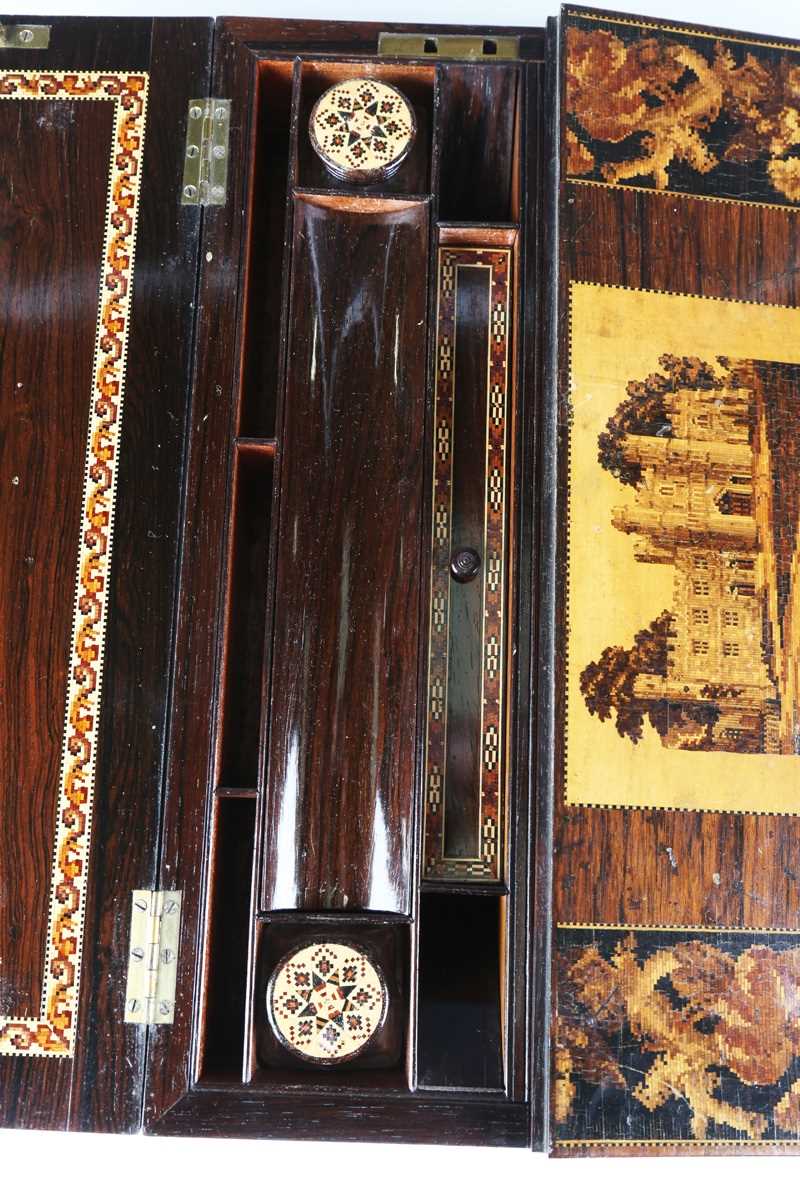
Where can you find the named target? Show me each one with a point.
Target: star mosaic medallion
(362, 128)
(326, 1001)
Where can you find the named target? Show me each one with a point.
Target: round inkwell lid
(326, 1001)
(362, 129)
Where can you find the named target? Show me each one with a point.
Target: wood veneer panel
(349, 1116)
(344, 703)
(48, 316)
(624, 238)
(110, 1060)
(211, 432)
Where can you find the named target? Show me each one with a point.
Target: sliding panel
(465, 765)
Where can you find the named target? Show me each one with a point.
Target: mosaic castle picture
(705, 455)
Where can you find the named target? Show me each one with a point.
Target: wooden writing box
(397, 678)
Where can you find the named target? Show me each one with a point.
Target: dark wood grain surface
(476, 130)
(328, 1113)
(462, 779)
(344, 705)
(50, 247)
(176, 1101)
(614, 865)
(100, 1087)
(137, 701)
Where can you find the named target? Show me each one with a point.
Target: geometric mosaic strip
(488, 864)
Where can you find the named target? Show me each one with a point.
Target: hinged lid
(97, 287)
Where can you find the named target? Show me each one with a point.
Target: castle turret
(669, 525)
(682, 453)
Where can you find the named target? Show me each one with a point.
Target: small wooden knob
(464, 564)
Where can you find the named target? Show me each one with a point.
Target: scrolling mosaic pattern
(709, 116)
(53, 1032)
(487, 864)
(676, 1036)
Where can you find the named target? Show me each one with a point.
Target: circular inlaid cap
(362, 129)
(326, 1001)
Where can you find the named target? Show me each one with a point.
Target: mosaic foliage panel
(665, 1036)
(653, 107)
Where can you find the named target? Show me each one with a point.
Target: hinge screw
(195, 112)
(25, 36)
(190, 191)
(192, 151)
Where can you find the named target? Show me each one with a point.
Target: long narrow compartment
(240, 706)
(461, 1010)
(466, 769)
(267, 252)
(232, 838)
(478, 132)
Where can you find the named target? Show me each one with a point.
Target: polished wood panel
(344, 704)
(48, 318)
(226, 1109)
(110, 1059)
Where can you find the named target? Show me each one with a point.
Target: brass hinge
(153, 958)
(24, 37)
(485, 48)
(205, 164)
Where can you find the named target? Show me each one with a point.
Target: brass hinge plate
(24, 37)
(205, 163)
(153, 958)
(483, 48)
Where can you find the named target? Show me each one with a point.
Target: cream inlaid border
(605, 926)
(670, 194)
(53, 1031)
